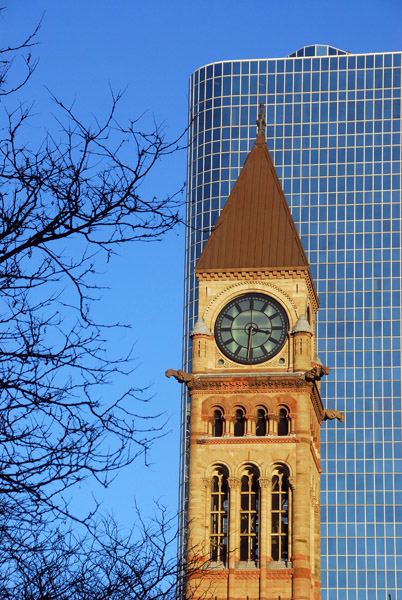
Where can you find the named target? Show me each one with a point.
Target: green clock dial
(251, 329)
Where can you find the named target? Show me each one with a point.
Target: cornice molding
(258, 383)
(239, 573)
(247, 440)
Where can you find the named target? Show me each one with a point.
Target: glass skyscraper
(334, 133)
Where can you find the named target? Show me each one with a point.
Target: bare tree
(60, 206)
(109, 565)
(64, 203)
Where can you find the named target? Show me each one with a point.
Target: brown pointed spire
(255, 229)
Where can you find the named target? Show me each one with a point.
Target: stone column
(196, 550)
(301, 506)
(207, 515)
(254, 425)
(292, 423)
(229, 425)
(317, 551)
(208, 426)
(312, 533)
(292, 485)
(271, 425)
(249, 425)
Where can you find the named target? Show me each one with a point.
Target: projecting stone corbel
(316, 373)
(182, 377)
(329, 415)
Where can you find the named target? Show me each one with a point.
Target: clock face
(251, 329)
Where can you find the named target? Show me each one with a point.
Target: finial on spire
(261, 122)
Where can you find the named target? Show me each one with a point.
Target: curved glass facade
(334, 132)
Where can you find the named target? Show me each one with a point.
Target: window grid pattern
(219, 518)
(249, 517)
(217, 428)
(283, 423)
(261, 424)
(240, 423)
(334, 132)
(280, 518)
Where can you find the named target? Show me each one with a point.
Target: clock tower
(256, 409)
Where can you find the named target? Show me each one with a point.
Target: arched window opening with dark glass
(219, 517)
(280, 517)
(249, 517)
(283, 422)
(261, 424)
(240, 423)
(217, 425)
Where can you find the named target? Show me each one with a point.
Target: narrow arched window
(219, 517)
(240, 421)
(280, 517)
(261, 424)
(217, 425)
(283, 423)
(249, 517)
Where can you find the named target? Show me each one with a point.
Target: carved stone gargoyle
(333, 414)
(316, 373)
(181, 376)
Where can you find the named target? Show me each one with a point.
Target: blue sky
(150, 49)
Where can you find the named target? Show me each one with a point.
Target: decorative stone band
(244, 383)
(247, 274)
(239, 574)
(247, 440)
(202, 336)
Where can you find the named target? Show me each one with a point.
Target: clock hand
(250, 333)
(262, 330)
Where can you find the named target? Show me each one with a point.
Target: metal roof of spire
(255, 229)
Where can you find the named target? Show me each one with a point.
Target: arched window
(280, 517)
(283, 422)
(217, 425)
(261, 424)
(219, 517)
(249, 517)
(240, 421)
